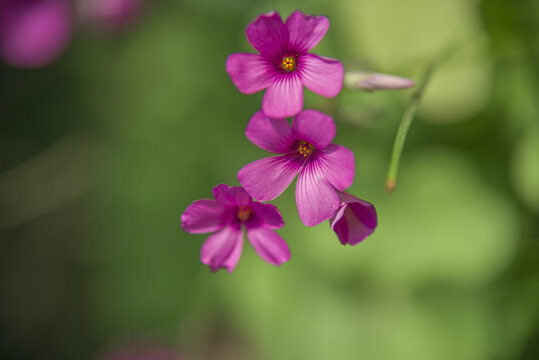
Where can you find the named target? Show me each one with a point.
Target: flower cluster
(303, 148)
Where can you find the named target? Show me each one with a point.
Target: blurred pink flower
(33, 33)
(140, 352)
(369, 81)
(110, 15)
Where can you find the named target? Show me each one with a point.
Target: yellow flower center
(305, 149)
(244, 212)
(288, 63)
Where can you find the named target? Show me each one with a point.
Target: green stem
(406, 121)
(409, 113)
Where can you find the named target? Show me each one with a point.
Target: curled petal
(273, 135)
(231, 196)
(203, 216)
(354, 221)
(223, 249)
(306, 31)
(269, 245)
(266, 215)
(265, 179)
(321, 75)
(315, 197)
(268, 35)
(315, 127)
(284, 97)
(338, 166)
(249, 72)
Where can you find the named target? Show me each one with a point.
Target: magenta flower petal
(269, 245)
(354, 221)
(273, 135)
(203, 216)
(265, 179)
(316, 199)
(231, 196)
(267, 34)
(315, 127)
(250, 72)
(267, 214)
(223, 249)
(322, 75)
(338, 166)
(283, 98)
(306, 31)
(34, 33)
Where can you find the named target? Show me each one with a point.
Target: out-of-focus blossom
(33, 33)
(140, 352)
(110, 15)
(285, 64)
(369, 81)
(355, 219)
(306, 150)
(232, 211)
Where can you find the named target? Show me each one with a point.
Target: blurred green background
(102, 151)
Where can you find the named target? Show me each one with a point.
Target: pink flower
(232, 211)
(306, 150)
(34, 33)
(284, 64)
(354, 220)
(111, 15)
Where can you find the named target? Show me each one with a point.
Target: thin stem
(404, 126)
(409, 114)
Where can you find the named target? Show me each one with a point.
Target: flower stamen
(289, 63)
(305, 149)
(244, 212)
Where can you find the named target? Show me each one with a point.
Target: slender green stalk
(411, 109)
(406, 121)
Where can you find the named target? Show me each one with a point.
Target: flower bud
(369, 81)
(354, 220)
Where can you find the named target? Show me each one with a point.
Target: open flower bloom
(306, 150)
(34, 33)
(232, 211)
(285, 64)
(369, 81)
(354, 220)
